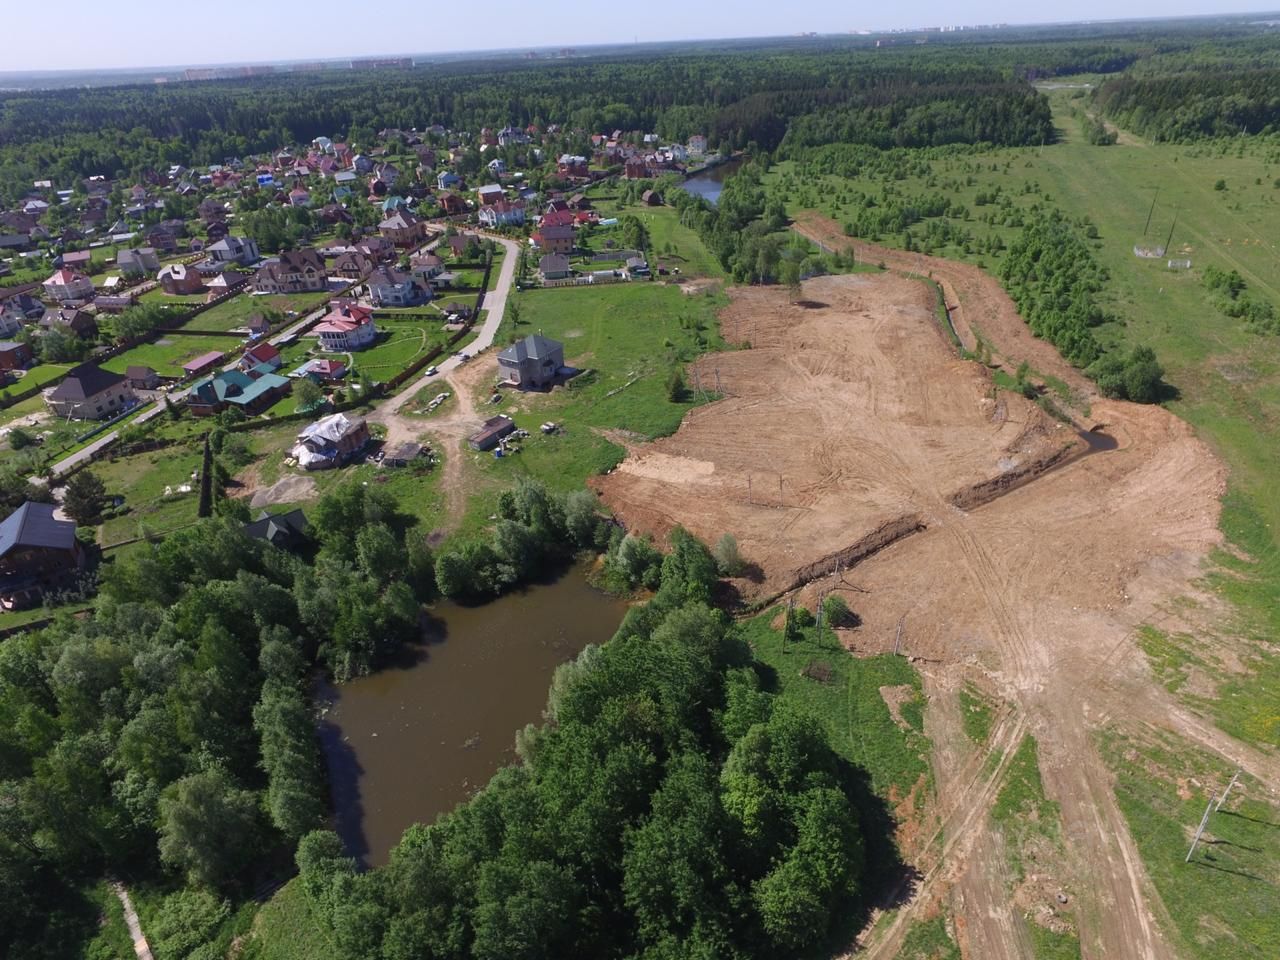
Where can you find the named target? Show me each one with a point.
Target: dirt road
(1034, 591)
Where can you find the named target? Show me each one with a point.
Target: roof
(139, 373)
(64, 276)
(492, 429)
(281, 527)
(534, 347)
(332, 428)
(232, 386)
(556, 231)
(12, 346)
(406, 451)
(202, 361)
(262, 353)
(85, 381)
(34, 525)
(554, 263)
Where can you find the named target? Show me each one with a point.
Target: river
(423, 734)
(709, 183)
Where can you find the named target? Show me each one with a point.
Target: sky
(92, 34)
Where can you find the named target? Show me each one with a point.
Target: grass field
(671, 244)
(167, 354)
(235, 312)
(141, 480)
(1223, 903)
(399, 344)
(627, 339)
(286, 929)
(929, 940)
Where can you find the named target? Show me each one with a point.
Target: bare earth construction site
(980, 532)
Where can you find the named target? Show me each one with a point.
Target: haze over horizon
(104, 39)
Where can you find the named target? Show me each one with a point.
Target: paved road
(495, 303)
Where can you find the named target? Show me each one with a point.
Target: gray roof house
(37, 552)
(532, 363)
(554, 266)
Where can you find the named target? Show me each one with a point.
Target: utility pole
(897, 640)
(1151, 211)
(750, 499)
(1234, 777)
(786, 629)
(781, 502)
(1169, 239)
(822, 596)
(1204, 822)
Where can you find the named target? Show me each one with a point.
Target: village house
(554, 266)
(258, 326)
(294, 271)
(234, 388)
(426, 266)
(230, 249)
(389, 287)
(347, 327)
(69, 321)
(489, 193)
(11, 320)
(570, 165)
(88, 392)
(351, 265)
(533, 363)
(38, 554)
(68, 285)
(224, 282)
(330, 442)
(377, 248)
(299, 197)
(287, 531)
(497, 166)
(259, 356)
(77, 260)
(504, 213)
(15, 355)
(451, 205)
(179, 280)
(697, 145)
(554, 239)
(446, 180)
(403, 229)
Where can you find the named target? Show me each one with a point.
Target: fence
(588, 281)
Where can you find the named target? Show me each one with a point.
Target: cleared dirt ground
(848, 423)
(1031, 592)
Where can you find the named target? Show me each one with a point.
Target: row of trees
(669, 806)
(1214, 101)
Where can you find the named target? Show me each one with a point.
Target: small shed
(142, 378)
(201, 364)
(493, 430)
(403, 455)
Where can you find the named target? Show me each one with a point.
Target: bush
(1137, 377)
(835, 610)
(728, 559)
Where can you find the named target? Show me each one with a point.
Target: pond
(709, 183)
(425, 733)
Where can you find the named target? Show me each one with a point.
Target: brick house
(177, 279)
(554, 239)
(88, 392)
(294, 271)
(403, 228)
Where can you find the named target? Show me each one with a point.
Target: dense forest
(1214, 102)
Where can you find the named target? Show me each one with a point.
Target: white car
(432, 371)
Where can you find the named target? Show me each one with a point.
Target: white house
(234, 250)
(68, 285)
(389, 287)
(138, 260)
(503, 213)
(346, 328)
(497, 166)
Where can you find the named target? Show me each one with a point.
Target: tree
(835, 609)
(308, 394)
(208, 828)
(728, 559)
(789, 274)
(676, 387)
(85, 497)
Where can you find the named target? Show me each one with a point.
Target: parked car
(432, 371)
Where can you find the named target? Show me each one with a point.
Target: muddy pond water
(427, 731)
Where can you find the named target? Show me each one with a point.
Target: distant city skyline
(151, 34)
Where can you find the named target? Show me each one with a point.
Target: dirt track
(1034, 595)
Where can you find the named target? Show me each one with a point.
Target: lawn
(234, 313)
(38, 376)
(167, 354)
(1222, 903)
(399, 344)
(627, 339)
(158, 296)
(671, 244)
(142, 481)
